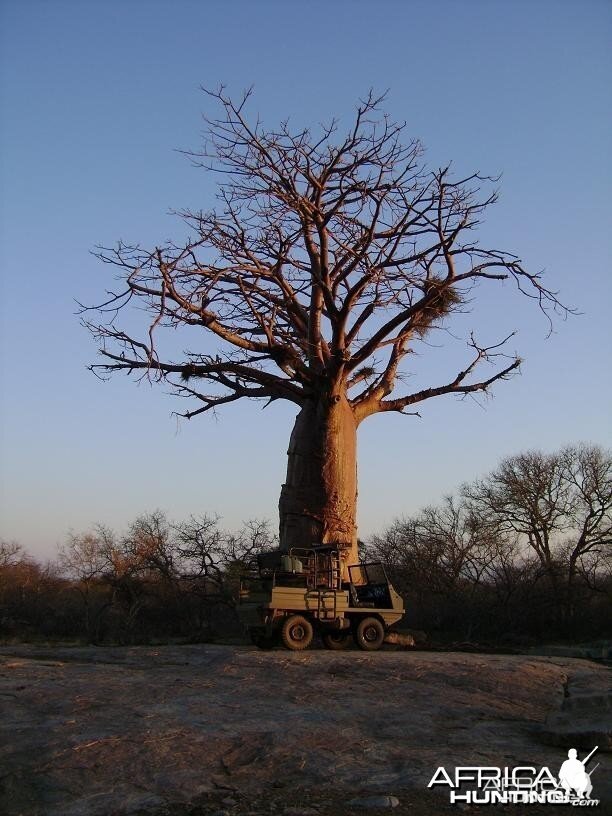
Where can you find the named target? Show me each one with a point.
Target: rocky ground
(189, 730)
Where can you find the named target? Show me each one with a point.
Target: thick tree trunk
(318, 502)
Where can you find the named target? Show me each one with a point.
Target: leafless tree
(200, 544)
(27, 592)
(149, 546)
(329, 259)
(253, 538)
(439, 548)
(107, 571)
(213, 561)
(83, 559)
(11, 552)
(560, 505)
(211, 554)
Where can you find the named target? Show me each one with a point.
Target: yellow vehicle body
(328, 605)
(311, 597)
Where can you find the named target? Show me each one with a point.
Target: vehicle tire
(369, 634)
(297, 633)
(263, 641)
(336, 640)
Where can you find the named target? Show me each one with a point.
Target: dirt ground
(211, 729)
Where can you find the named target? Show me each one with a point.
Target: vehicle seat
(358, 597)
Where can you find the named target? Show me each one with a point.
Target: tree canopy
(327, 259)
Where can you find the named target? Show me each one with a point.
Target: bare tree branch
(323, 251)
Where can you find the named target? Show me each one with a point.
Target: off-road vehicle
(288, 597)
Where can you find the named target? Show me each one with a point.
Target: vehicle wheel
(370, 634)
(263, 641)
(297, 633)
(336, 640)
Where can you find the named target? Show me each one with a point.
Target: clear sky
(96, 96)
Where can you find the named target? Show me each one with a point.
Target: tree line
(158, 580)
(522, 554)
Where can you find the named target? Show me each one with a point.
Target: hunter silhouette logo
(525, 784)
(574, 777)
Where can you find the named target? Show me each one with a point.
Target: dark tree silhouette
(560, 505)
(328, 260)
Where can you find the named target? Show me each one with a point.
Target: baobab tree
(327, 261)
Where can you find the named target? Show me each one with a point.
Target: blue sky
(96, 96)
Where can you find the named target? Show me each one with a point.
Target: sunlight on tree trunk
(318, 501)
